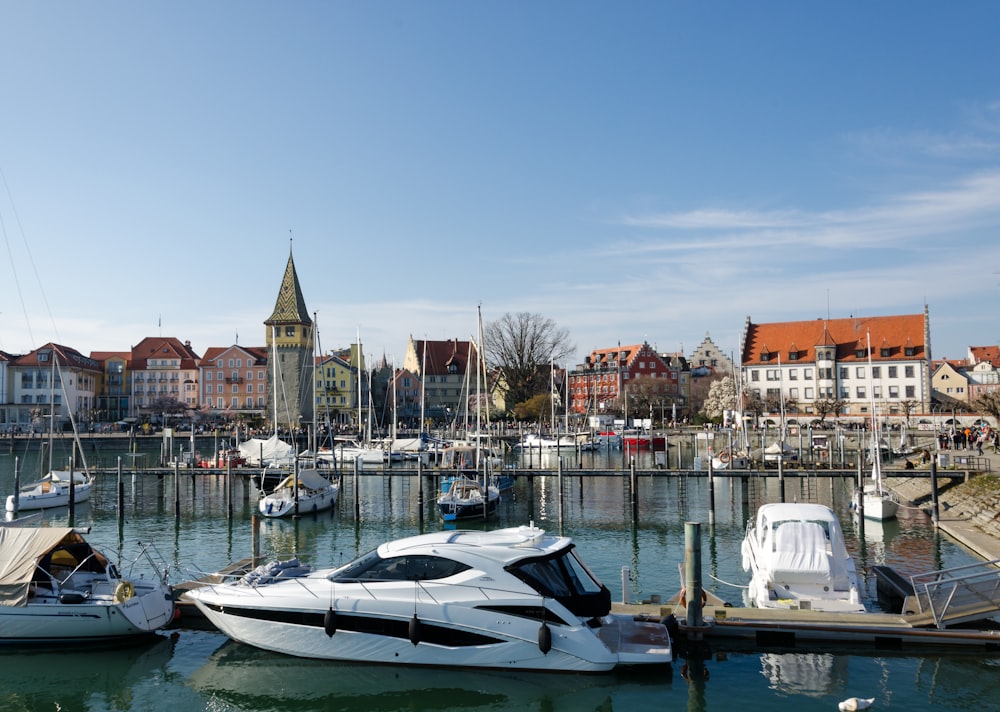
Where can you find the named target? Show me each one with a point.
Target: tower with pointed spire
(290, 343)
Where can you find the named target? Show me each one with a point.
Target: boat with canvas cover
(55, 588)
(798, 559)
(514, 598)
(304, 492)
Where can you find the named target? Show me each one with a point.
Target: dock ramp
(949, 597)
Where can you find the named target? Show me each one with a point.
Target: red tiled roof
(989, 354)
(442, 354)
(895, 333)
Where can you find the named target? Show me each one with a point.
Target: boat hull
(49, 498)
(49, 621)
(452, 640)
(276, 505)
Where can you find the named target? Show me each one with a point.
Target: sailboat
(57, 487)
(305, 490)
(876, 502)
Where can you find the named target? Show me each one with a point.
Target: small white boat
(467, 498)
(55, 588)
(730, 460)
(306, 493)
(53, 490)
(798, 559)
(511, 599)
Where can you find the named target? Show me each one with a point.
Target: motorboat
(468, 498)
(53, 490)
(512, 598)
(304, 492)
(798, 559)
(643, 440)
(55, 588)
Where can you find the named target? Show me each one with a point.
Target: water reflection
(248, 678)
(74, 680)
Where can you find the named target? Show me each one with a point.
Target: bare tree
(520, 347)
(988, 404)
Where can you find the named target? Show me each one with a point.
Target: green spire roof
(291, 306)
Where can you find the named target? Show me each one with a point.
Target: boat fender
(683, 599)
(124, 591)
(724, 457)
(72, 598)
(414, 629)
(330, 622)
(545, 638)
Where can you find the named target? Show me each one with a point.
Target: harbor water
(635, 545)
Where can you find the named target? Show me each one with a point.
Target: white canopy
(20, 550)
(272, 450)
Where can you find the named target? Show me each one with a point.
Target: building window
(860, 392)
(910, 351)
(793, 392)
(289, 331)
(772, 374)
(809, 393)
(894, 391)
(755, 375)
(908, 371)
(860, 372)
(845, 373)
(807, 374)
(876, 372)
(911, 391)
(845, 392)
(892, 371)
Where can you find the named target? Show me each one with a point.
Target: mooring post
(17, 484)
(177, 489)
(255, 539)
(711, 490)
(781, 477)
(935, 512)
(692, 575)
(72, 493)
(357, 489)
(121, 492)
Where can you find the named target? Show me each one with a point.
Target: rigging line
(10, 256)
(727, 583)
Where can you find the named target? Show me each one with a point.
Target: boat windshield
(564, 577)
(413, 567)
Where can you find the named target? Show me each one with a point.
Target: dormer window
(910, 351)
(885, 352)
(861, 353)
(765, 356)
(793, 355)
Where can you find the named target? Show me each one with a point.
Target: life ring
(124, 591)
(683, 598)
(724, 457)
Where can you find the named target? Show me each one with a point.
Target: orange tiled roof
(990, 354)
(895, 333)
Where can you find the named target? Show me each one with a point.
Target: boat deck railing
(957, 595)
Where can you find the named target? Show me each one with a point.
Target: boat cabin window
(565, 578)
(415, 567)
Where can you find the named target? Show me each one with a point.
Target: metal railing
(959, 594)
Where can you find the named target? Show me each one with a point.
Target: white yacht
(55, 588)
(798, 559)
(510, 599)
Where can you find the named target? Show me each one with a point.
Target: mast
(876, 440)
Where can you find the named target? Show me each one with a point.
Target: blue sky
(634, 171)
